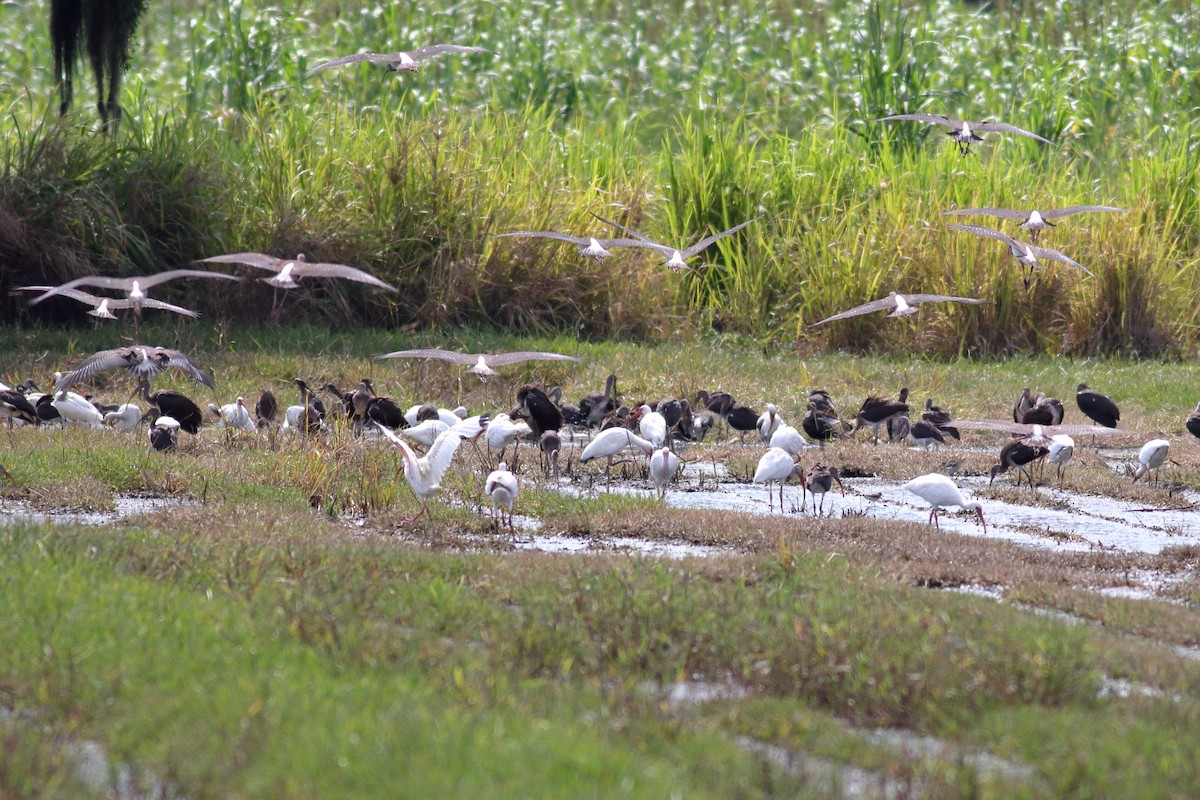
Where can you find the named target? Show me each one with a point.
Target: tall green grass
(677, 117)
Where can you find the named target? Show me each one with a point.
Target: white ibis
(609, 443)
(902, 305)
(1062, 448)
(301, 419)
(1151, 457)
(501, 486)
(663, 466)
(134, 287)
(1033, 220)
(768, 423)
(288, 269)
(652, 426)
(677, 257)
(234, 415)
(819, 481)
(777, 466)
(125, 418)
(940, 492)
(482, 364)
(408, 61)
(424, 473)
(501, 432)
(964, 132)
(1028, 255)
(141, 361)
(75, 408)
(788, 438)
(425, 433)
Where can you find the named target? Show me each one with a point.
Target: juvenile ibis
(819, 481)
(1018, 454)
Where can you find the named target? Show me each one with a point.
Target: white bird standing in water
(940, 492)
(424, 473)
(652, 426)
(777, 466)
(125, 418)
(663, 466)
(501, 486)
(1152, 456)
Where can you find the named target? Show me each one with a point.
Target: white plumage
(125, 418)
(768, 423)
(1151, 457)
(652, 425)
(74, 407)
(663, 466)
(427, 432)
(501, 486)
(608, 443)
(776, 466)
(940, 492)
(424, 473)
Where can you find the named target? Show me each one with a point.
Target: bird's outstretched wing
(706, 241)
(503, 359)
(438, 49)
(1004, 127)
(433, 352)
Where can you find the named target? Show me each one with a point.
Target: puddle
(555, 543)
(829, 777)
(19, 511)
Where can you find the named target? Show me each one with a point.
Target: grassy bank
(242, 642)
(675, 123)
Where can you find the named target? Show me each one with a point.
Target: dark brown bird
(1046, 411)
(13, 404)
(595, 406)
(742, 419)
(1023, 404)
(176, 406)
(538, 410)
(925, 433)
(939, 418)
(820, 426)
(1193, 422)
(818, 482)
(309, 399)
(876, 411)
(266, 408)
(1018, 453)
(1097, 407)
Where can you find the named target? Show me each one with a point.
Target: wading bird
(940, 492)
(482, 364)
(141, 361)
(819, 481)
(408, 61)
(1097, 407)
(663, 466)
(102, 307)
(1028, 255)
(1033, 220)
(1019, 454)
(424, 473)
(501, 486)
(1193, 422)
(677, 257)
(1151, 457)
(963, 132)
(14, 405)
(609, 443)
(777, 466)
(902, 305)
(125, 418)
(164, 433)
(876, 411)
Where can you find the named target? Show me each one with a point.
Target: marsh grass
(681, 123)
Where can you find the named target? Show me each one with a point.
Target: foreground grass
(247, 644)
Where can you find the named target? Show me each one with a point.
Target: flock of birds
(427, 437)
(651, 428)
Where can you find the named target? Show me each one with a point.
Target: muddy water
(18, 511)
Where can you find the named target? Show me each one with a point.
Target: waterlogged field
(677, 118)
(251, 617)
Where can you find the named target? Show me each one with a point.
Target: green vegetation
(677, 119)
(245, 643)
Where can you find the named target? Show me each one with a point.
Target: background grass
(676, 118)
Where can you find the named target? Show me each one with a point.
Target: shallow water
(19, 511)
